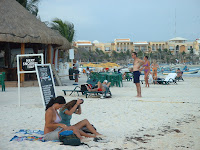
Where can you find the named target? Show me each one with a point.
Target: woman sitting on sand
(74, 107)
(53, 126)
(101, 86)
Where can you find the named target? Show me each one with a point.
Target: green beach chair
(2, 80)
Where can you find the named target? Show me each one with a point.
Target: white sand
(151, 122)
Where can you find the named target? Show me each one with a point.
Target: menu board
(46, 82)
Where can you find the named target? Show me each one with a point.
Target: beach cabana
(23, 33)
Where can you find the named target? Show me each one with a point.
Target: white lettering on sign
(30, 63)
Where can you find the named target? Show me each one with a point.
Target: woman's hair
(59, 100)
(146, 57)
(135, 54)
(69, 105)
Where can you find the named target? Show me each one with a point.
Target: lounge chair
(104, 94)
(170, 78)
(83, 90)
(77, 90)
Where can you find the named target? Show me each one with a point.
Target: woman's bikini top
(146, 65)
(58, 119)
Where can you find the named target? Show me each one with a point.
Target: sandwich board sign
(27, 62)
(46, 82)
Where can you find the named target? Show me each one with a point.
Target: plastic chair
(129, 76)
(102, 77)
(93, 75)
(2, 80)
(115, 80)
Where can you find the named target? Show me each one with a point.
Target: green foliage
(140, 54)
(66, 29)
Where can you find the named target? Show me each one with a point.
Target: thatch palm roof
(20, 26)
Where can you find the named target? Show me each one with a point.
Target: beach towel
(32, 135)
(28, 131)
(29, 138)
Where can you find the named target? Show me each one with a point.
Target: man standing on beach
(136, 72)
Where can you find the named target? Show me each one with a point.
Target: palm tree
(66, 29)
(192, 54)
(159, 51)
(30, 5)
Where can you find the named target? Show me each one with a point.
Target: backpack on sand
(70, 140)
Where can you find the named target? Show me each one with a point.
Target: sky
(139, 20)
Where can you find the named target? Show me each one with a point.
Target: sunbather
(74, 107)
(53, 126)
(179, 74)
(101, 86)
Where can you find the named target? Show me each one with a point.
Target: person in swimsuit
(154, 67)
(136, 73)
(101, 86)
(146, 68)
(74, 107)
(53, 126)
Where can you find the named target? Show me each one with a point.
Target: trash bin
(71, 71)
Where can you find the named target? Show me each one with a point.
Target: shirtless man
(136, 73)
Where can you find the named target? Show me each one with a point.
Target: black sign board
(46, 83)
(28, 63)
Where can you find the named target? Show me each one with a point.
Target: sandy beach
(167, 117)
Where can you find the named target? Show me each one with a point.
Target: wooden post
(54, 56)
(49, 53)
(22, 52)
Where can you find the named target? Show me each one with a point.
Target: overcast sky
(139, 20)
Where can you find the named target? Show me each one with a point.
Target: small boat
(184, 72)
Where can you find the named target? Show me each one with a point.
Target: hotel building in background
(175, 45)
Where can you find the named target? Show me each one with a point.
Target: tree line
(123, 58)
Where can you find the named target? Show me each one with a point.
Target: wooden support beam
(22, 52)
(54, 54)
(49, 53)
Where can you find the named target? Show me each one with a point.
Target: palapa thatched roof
(17, 25)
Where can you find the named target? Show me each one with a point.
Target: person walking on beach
(146, 68)
(136, 73)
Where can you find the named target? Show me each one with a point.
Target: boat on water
(192, 71)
